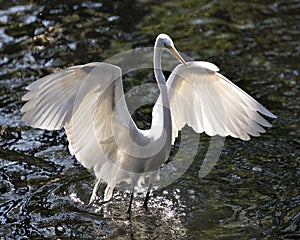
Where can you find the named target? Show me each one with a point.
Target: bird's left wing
(208, 102)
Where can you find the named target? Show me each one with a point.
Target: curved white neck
(161, 116)
(159, 76)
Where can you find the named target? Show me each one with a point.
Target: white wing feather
(82, 99)
(88, 101)
(208, 102)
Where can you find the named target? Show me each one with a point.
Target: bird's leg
(131, 199)
(145, 205)
(95, 191)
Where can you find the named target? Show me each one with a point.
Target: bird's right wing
(208, 102)
(88, 101)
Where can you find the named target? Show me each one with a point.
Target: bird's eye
(167, 46)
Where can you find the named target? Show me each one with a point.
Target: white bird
(88, 101)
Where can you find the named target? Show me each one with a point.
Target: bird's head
(164, 41)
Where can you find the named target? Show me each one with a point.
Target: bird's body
(88, 101)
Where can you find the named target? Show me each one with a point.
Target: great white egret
(88, 101)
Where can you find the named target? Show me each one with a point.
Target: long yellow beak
(177, 55)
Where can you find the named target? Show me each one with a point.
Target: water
(252, 192)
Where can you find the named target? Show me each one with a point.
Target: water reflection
(252, 192)
(161, 221)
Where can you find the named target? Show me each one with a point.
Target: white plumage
(88, 101)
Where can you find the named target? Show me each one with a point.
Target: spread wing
(88, 101)
(208, 102)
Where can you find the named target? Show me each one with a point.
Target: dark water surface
(252, 192)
